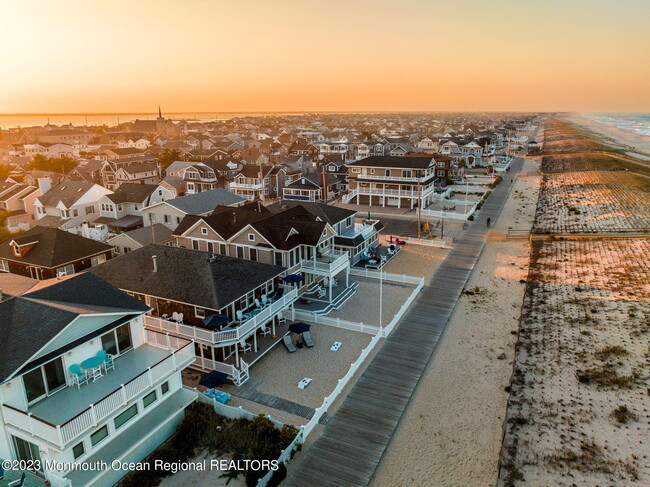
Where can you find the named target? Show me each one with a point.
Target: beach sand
(451, 432)
(623, 138)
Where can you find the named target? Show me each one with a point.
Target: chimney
(155, 263)
(44, 185)
(85, 230)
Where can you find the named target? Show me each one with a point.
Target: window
(168, 219)
(253, 253)
(4, 265)
(195, 244)
(99, 435)
(204, 231)
(164, 388)
(199, 312)
(277, 258)
(78, 450)
(67, 270)
(90, 210)
(210, 247)
(178, 219)
(152, 217)
(117, 341)
(240, 252)
(372, 170)
(149, 399)
(98, 259)
(251, 237)
(222, 249)
(387, 173)
(126, 416)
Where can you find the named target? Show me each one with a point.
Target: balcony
(326, 265)
(391, 192)
(397, 178)
(66, 415)
(246, 186)
(226, 336)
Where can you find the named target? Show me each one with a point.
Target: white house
(62, 401)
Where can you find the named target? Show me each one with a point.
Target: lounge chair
(108, 360)
(278, 294)
(289, 344)
(306, 336)
(321, 292)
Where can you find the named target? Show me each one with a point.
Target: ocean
(638, 123)
(111, 119)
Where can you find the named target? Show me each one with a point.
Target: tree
(4, 171)
(63, 164)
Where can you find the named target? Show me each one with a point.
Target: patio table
(92, 363)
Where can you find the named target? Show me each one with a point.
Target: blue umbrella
(213, 379)
(299, 327)
(291, 278)
(215, 321)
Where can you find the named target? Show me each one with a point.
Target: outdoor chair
(18, 483)
(306, 336)
(108, 360)
(281, 318)
(78, 377)
(241, 316)
(266, 331)
(321, 292)
(289, 344)
(259, 304)
(246, 347)
(174, 316)
(96, 373)
(179, 317)
(265, 300)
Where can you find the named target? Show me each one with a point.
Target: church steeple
(159, 112)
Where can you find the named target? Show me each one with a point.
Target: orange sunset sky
(114, 56)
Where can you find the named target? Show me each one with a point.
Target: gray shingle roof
(132, 193)
(185, 275)
(54, 247)
(30, 321)
(327, 213)
(393, 161)
(67, 192)
(204, 201)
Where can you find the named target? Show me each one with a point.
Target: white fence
(427, 242)
(335, 322)
(450, 215)
(386, 276)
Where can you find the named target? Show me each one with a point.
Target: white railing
(209, 364)
(61, 435)
(451, 215)
(397, 178)
(335, 322)
(386, 276)
(214, 337)
(341, 259)
(426, 242)
(245, 186)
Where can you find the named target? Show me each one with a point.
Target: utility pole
(419, 206)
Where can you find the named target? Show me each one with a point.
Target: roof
(68, 192)
(393, 161)
(31, 321)
(132, 193)
(151, 234)
(327, 213)
(54, 247)
(189, 276)
(205, 201)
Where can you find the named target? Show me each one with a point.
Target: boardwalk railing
(64, 434)
(386, 276)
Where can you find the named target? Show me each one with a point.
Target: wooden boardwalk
(249, 391)
(356, 436)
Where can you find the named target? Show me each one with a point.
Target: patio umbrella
(299, 327)
(213, 379)
(215, 321)
(291, 278)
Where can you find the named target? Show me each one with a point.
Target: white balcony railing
(223, 336)
(61, 435)
(397, 178)
(245, 186)
(329, 264)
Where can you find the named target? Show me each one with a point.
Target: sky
(91, 56)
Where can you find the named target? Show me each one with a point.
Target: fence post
(58, 433)
(92, 413)
(150, 376)
(123, 394)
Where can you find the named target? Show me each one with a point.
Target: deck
(356, 436)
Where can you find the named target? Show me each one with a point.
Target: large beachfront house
(293, 238)
(62, 401)
(45, 253)
(195, 176)
(404, 182)
(352, 235)
(196, 285)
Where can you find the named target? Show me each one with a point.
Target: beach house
(81, 380)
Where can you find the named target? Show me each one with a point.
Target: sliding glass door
(44, 380)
